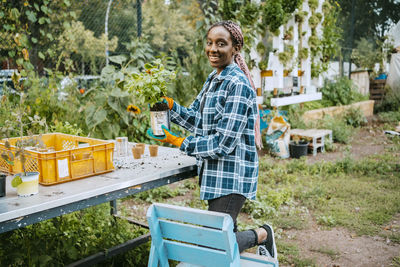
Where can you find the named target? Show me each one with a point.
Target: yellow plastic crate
(66, 158)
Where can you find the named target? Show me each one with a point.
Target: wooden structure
(316, 137)
(377, 89)
(196, 238)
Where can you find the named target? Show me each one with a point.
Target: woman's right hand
(169, 101)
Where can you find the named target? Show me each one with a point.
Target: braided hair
(237, 40)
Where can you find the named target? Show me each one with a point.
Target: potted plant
(149, 86)
(298, 147)
(26, 182)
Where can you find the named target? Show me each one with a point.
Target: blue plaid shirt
(222, 120)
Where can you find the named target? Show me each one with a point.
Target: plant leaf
(16, 181)
(120, 59)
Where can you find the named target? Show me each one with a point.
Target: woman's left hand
(169, 137)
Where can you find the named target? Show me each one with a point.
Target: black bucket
(298, 150)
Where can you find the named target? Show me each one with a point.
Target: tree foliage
(80, 43)
(33, 26)
(372, 19)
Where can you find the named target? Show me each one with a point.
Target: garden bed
(366, 107)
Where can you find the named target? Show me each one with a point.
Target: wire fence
(81, 45)
(117, 19)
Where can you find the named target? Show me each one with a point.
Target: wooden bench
(317, 137)
(196, 238)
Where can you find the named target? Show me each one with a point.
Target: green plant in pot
(15, 151)
(298, 146)
(149, 86)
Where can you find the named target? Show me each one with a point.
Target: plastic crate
(66, 158)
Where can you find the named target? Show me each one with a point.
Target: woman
(223, 119)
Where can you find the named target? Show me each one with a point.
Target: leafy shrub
(389, 116)
(341, 92)
(326, 220)
(391, 101)
(67, 128)
(63, 240)
(355, 117)
(341, 131)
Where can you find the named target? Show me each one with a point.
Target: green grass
(289, 254)
(333, 254)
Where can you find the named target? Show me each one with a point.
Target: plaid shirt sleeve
(185, 117)
(229, 128)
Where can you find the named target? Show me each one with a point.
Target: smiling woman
(223, 120)
(220, 48)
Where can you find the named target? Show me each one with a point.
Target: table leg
(113, 207)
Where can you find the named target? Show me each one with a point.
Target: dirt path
(339, 247)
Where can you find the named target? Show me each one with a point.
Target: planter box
(367, 108)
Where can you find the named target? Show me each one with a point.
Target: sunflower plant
(150, 85)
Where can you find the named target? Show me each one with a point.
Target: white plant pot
(29, 185)
(158, 118)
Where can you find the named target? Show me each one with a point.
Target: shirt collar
(224, 73)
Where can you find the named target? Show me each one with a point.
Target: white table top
(129, 173)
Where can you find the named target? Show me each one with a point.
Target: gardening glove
(169, 101)
(169, 137)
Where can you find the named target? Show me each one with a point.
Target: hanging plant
(288, 34)
(249, 14)
(300, 16)
(319, 16)
(286, 56)
(314, 42)
(263, 65)
(314, 20)
(289, 6)
(313, 4)
(326, 6)
(273, 15)
(303, 53)
(261, 48)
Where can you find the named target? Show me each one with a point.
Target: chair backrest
(190, 235)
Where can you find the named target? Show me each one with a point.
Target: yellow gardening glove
(169, 137)
(169, 101)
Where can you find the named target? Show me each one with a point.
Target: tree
(78, 41)
(32, 26)
(372, 19)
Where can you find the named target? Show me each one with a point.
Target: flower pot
(29, 185)
(153, 150)
(142, 147)
(159, 115)
(2, 185)
(136, 152)
(299, 149)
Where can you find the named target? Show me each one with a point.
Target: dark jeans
(232, 204)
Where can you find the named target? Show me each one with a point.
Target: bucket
(298, 150)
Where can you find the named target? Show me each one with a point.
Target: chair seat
(197, 236)
(246, 260)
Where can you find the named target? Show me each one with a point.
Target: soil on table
(344, 247)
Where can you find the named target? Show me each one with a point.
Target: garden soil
(334, 247)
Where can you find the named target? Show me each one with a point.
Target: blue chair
(196, 238)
